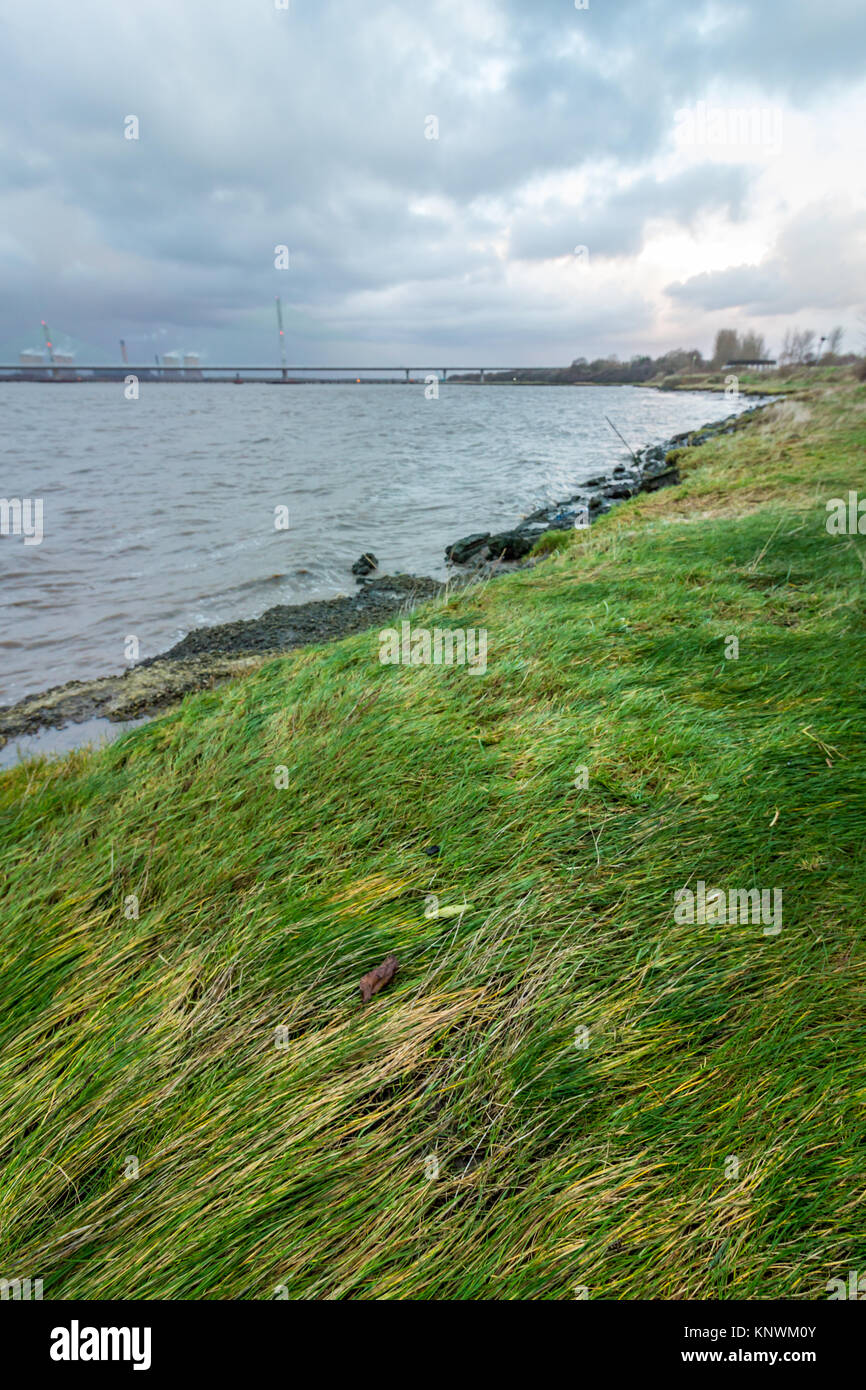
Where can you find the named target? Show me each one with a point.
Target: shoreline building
(182, 366)
(62, 364)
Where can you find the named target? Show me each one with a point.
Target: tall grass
(285, 1136)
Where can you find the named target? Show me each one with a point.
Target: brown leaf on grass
(377, 979)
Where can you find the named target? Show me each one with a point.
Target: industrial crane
(48, 344)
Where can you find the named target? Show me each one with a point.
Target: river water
(159, 514)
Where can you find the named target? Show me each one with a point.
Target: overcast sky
(591, 189)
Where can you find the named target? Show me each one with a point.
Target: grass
(550, 541)
(785, 380)
(283, 1136)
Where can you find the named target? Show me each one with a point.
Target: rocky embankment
(213, 654)
(654, 467)
(210, 655)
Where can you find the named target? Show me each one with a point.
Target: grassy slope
(781, 381)
(559, 1166)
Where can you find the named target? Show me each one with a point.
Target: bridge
(71, 371)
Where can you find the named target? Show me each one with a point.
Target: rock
(594, 482)
(508, 545)
(461, 552)
(539, 517)
(366, 564)
(653, 458)
(668, 478)
(619, 491)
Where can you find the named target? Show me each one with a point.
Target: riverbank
(779, 381)
(567, 1089)
(209, 541)
(211, 655)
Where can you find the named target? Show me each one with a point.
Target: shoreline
(714, 383)
(208, 656)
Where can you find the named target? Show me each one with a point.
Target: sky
(456, 182)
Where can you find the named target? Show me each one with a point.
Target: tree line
(799, 348)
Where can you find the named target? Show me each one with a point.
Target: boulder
(461, 552)
(668, 478)
(366, 564)
(508, 545)
(653, 458)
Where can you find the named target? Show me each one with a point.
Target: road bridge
(69, 371)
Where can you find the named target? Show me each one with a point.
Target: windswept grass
(785, 380)
(284, 1135)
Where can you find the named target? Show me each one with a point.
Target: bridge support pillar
(407, 374)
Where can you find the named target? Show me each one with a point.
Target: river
(159, 513)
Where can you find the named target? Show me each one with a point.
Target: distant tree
(834, 342)
(797, 347)
(727, 346)
(752, 347)
(730, 347)
(676, 360)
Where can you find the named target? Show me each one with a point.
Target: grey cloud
(306, 127)
(818, 262)
(617, 226)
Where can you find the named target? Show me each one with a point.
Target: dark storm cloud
(306, 127)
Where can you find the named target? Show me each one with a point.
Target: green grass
(550, 541)
(303, 1165)
(785, 380)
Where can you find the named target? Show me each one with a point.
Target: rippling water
(159, 513)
